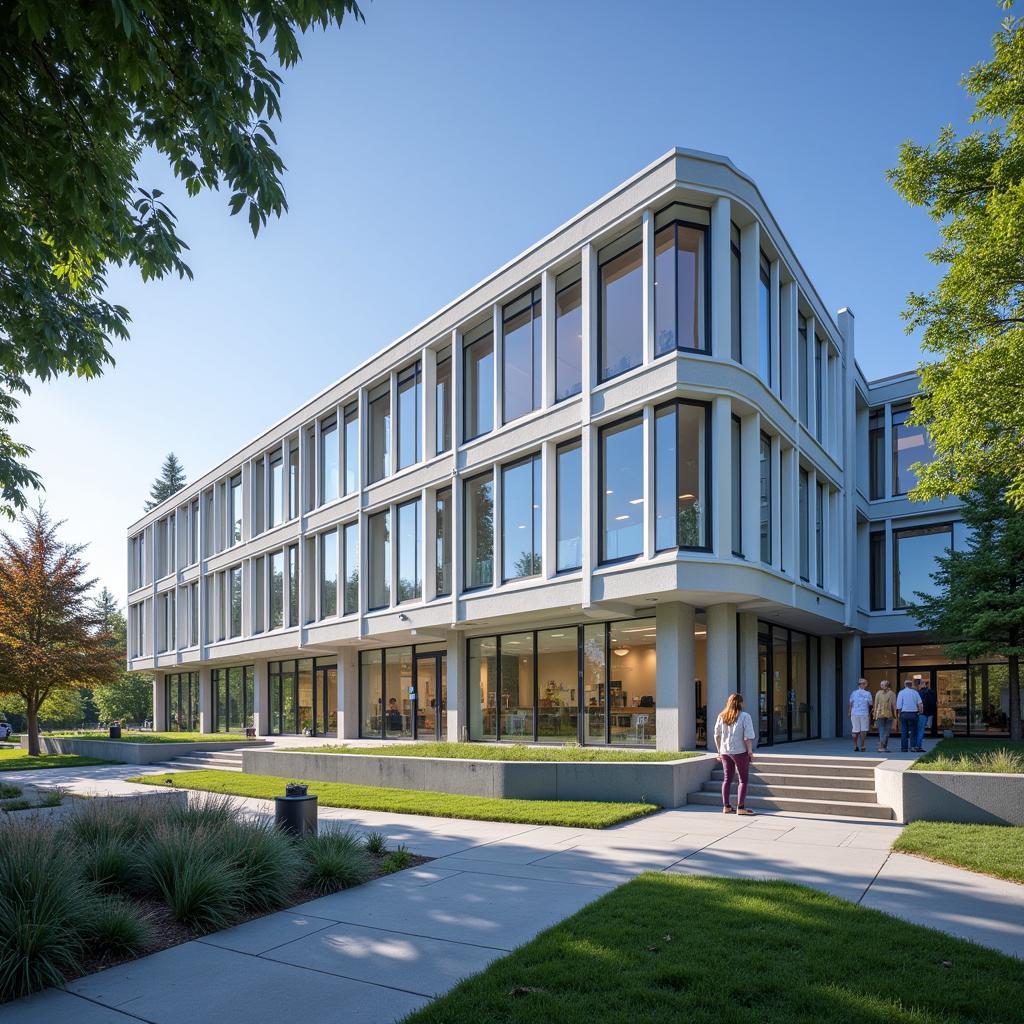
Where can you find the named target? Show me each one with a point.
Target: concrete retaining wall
(128, 752)
(984, 798)
(660, 782)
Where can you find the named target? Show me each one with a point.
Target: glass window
(801, 359)
(620, 273)
(805, 526)
(515, 682)
(478, 382)
(736, 293)
(351, 539)
(915, 553)
(371, 693)
(557, 685)
(235, 513)
(293, 585)
(521, 519)
(680, 471)
(568, 334)
(680, 289)
(235, 592)
(410, 586)
(397, 681)
(766, 498)
(622, 487)
(276, 516)
(876, 454)
(379, 527)
(820, 366)
(909, 445)
(193, 612)
(351, 442)
(483, 688)
(193, 533)
(259, 569)
(277, 590)
(521, 361)
(819, 533)
(737, 486)
(443, 404)
(569, 502)
(410, 388)
(595, 683)
(328, 460)
(479, 531)
(443, 542)
(379, 442)
(328, 574)
(293, 479)
(631, 682)
(764, 322)
(877, 571)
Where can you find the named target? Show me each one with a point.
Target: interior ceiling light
(622, 651)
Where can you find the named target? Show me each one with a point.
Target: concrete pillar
(159, 702)
(721, 278)
(348, 694)
(721, 668)
(750, 445)
(648, 287)
(456, 688)
(721, 479)
(676, 668)
(827, 687)
(851, 673)
(261, 697)
(748, 681)
(205, 700)
(547, 314)
(750, 282)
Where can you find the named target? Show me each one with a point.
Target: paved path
(379, 951)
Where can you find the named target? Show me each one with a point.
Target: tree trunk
(32, 715)
(1015, 731)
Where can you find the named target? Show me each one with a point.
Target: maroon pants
(738, 764)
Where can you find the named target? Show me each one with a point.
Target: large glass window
(910, 445)
(328, 460)
(478, 382)
(764, 321)
(182, 702)
(397, 683)
(410, 389)
(568, 334)
(379, 441)
(521, 355)
(737, 486)
(680, 475)
(632, 673)
(276, 516)
(483, 688)
(479, 531)
(293, 585)
(277, 590)
(594, 673)
(557, 685)
(766, 498)
(622, 490)
(443, 542)
(350, 535)
(410, 587)
(351, 448)
(443, 404)
(819, 533)
(235, 597)
(805, 526)
(876, 454)
(621, 284)
(801, 361)
(521, 518)
(328, 574)
(735, 295)
(915, 558)
(232, 698)
(235, 510)
(293, 479)
(569, 511)
(820, 369)
(876, 598)
(379, 527)
(681, 296)
(371, 692)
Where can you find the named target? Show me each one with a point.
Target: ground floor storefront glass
(232, 698)
(403, 693)
(789, 683)
(181, 701)
(972, 697)
(303, 697)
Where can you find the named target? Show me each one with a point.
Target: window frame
(707, 482)
(637, 419)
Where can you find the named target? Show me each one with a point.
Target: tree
(129, 696)
(50, 637)
(84, 90)
(170, 481)
(978, 606)
(972, 395)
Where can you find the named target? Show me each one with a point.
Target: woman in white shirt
(734, 741)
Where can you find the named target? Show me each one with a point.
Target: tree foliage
(170, 481)
(84, 90)
(50, 636)
(129, 696)
(972, 393)
(978, 605)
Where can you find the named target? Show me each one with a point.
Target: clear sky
(436, 141)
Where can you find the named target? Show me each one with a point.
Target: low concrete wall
(131, 753)
(660, 782)
(984, 798)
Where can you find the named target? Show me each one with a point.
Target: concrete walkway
(375, 953)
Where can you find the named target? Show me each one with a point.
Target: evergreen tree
(977, 609)
(170, 481)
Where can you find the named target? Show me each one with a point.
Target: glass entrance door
(430, 693)
(950, 686)
(325, 700)
(764, 689)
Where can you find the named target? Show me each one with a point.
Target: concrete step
(784, 778)
(226, 761)
(801, 792)
(839, 808)
(855, 771)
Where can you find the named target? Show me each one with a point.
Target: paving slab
(268, 932)
(603, 878)
(54, 1005)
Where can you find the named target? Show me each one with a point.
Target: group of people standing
(914, 708)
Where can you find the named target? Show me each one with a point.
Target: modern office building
(632, 470)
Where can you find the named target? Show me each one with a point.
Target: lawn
(17, 760)
(992, 849)
(665, 949)
(144, 736)
(493, 752)
(970, 755)
(573, 813)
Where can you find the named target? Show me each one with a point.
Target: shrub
(210, 812)
(8, 792)
(268, 863)
(113, 926)
(42, 893)
(127, 822)
(397, 860)
(376, 844)
(335, 860)
(15, 805)
(52, 798)
(112, 864)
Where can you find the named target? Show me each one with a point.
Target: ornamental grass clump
(335, 860)
(114, 925)
(268, 863)
(376, 844)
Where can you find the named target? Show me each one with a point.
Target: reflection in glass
(328, 574)
(409, 584)
(350, 535)
(443, 542)
(521, 518)
(351, 449)
(766, 499)
(478, 382)
(622, 480)
(328, 460)
(479, 531)
(679, 289)
(379, 527)
(735, 296)
(409, 399)
(764, 321)
(679, 476)
(277, 590)
(621, 290)
(915, 559)
(379, 441)
(521, 355)
(568, 334)
(910, 445)
(443, 405)
(569, 511)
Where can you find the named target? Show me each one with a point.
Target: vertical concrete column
(588, 435)
(159, 701)
(205, 699)
(499, 367)
(748, 681)
(456, 688)
(827, 686)
(790, 517)
(650, 540)
(648, 296)
(261, 697)
(750, 444)
(781, 501)
(721, 278)
(721, 619)
(750, 276)
(549, 510)
(789, 336)
(809, 526)
(721, 476)
(812, 392)
(845, 535)
(676, 668)
(775, 327)
(547, 313)
(851, 673)
(348, 694)
(428, 408)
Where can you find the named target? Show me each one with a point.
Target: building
(631, 471)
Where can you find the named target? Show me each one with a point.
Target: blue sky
(431, 144)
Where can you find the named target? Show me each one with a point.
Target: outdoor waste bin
(295, 812)
(115, 732)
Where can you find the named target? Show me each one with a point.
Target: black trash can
(115, 732)
(295, 812)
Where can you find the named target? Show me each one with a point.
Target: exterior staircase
(221, 760)
(842, 786)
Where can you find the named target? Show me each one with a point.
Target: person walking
(909, 706)
(860, 714)
(734, 741)
(885, 714)
(929, 706)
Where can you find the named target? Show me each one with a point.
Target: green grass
(494, 752)
(17, 760)
(574, 813)
(992, 849)
(140, 736)
(970, 755)
(666, 949)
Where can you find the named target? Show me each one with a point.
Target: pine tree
(977, 609)
(170, 481)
